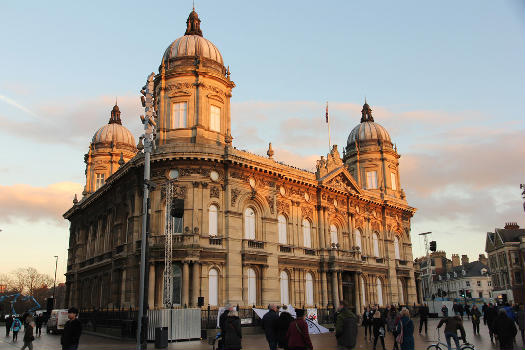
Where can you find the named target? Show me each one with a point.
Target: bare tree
(28, 279)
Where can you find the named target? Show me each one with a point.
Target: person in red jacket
(297, 335)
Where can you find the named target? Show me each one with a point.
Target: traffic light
(469, 294)
(433, 246)
(462, 293)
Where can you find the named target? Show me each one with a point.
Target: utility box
(161, 337)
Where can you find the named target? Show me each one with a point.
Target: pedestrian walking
(38, 322)
(476, 318)
(367, 322)
(15, 328)
(233, 338)
(378, 324)
(8, 324)
(452, 325)
(455, 308)
(444, 310)
(269, 324)
(467, 310)
(297, 335)
(222, 325)
(520, 321)
(398, 327)
(72, 331)
(423, 317)
(28, 335)
(505, 330)
(391, 318)
(461, 310)
(407, 330)
(490, 316)
(484, 310)
(282, 327)
(346, 327)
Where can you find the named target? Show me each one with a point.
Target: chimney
(464, 259)
(482, 259)
(455, 260)
(511, 226)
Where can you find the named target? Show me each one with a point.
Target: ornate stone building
(254, 230)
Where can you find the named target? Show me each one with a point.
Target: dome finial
(115, 115)
(193, 24)
(366, 113)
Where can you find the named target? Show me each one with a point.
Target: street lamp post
(55, 282)
(429, 265)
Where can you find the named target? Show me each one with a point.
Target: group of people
(33, 327)
(281, 330)
(392, 319)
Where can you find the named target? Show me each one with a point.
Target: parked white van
(56, 321)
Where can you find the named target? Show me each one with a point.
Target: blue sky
(445, 78)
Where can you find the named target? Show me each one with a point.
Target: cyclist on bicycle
(453, 323)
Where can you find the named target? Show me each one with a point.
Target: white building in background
(471, 280)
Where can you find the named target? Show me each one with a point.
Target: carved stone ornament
(283, 207)
(179, 191)
(341, 183)
(158, 173)
(307, 212)
(270, 201)
(211, 88)
(214, 192)
(195, 171)
(359, 222)
(375, 226)
(179, 86)
(234, 195)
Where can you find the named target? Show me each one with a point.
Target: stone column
(324, 288)
(357, 293)
(185, 284)
(320, 228)
(196, 284)
(340, 281)
(151, 288)
(123, 287)
(335, 290)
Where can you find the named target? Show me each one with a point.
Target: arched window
(379, 292)
(249, 223)
(176, 285)
(307, 236)
(401, 292)
(212, 220)
(333, 234)
(396, 248)
(284, 288)
(363, 294)
(309, 289)
(213, 287)
(252, 287)
(357, 234)
(282, 229)
(376, 245)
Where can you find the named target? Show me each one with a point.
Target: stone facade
(254, 230)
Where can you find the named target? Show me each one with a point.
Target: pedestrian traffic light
(433, 246)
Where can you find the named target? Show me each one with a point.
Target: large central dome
(367, 130)
(193, 43)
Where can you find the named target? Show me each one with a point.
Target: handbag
(382, 331)
(399, 338)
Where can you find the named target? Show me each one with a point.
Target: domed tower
(372, 158)
(193, 91)
(111, 147)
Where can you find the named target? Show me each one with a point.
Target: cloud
(13, 103)
(34, 204)
(73, 122)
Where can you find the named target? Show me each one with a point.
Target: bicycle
(443, 346)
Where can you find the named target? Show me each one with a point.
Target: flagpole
(328, 122)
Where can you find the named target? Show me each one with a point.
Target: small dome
(366, 131)
(114, 131)
(193, 45)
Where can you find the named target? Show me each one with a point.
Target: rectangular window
(179, 115)
(480, 294)
(393, 181)
(215, 119)
(99, 181)
(478, 283)
(517, 277)
(467, 283)
(371, 179)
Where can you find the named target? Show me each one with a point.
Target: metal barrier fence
(118, 322)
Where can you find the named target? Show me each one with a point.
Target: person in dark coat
(461, 310)
(269, 324)
(423, 317)
(444, 310)
(28, 335)
(505, 330)
(233, 337)
(39, 320)
(467, 310)
(476, 318)
(490, 316)
(222, 325)
(297, 335)
(484, 310)
(408, 330)
(396, 330)
(72, 331)
(455, 308)
(378, 324)
(520, 321)
(346, 327)
(452, 325)
(282, 327)
(8, 324)
(368, 314)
